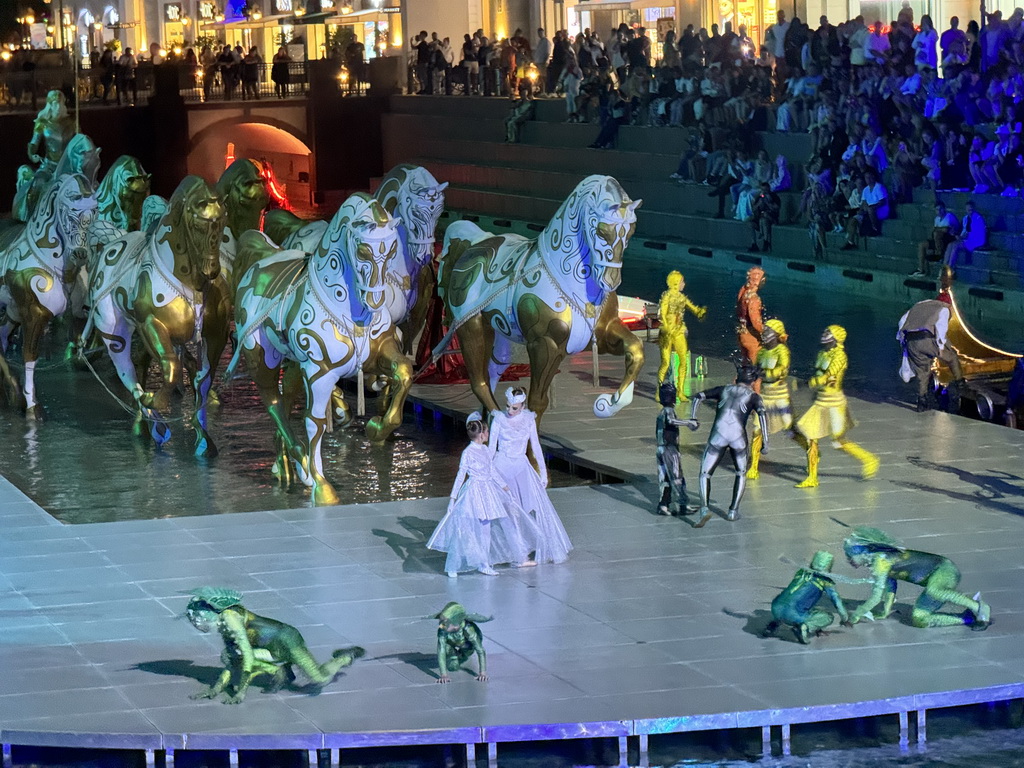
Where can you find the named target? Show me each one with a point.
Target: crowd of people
(888, 107)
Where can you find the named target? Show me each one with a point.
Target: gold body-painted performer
(672, 330)
(829, 415)
(773, 359)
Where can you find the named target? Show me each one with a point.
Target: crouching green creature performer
(890, 562)
(458, 638)
(795, 605)
(255, 645)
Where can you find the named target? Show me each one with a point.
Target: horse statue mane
(413, 194)
(121, 193)
(80, 156)
(153, 209)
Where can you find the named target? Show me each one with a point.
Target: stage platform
(652, 626)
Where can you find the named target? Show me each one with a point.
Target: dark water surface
(83, 464)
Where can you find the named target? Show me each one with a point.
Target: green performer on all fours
(672, 330)
(255, 645)
(795, 605)
(891, 562)
(458, 638)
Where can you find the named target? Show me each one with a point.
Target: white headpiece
(514, 399)
(474, 416)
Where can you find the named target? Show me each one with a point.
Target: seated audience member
(944, 231)
(874, 209)
(973, 234)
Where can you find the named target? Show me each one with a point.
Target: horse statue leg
(501, 357)
(614, 338)
(34, 319)
(264, 364)
(319, 386)
(476, 342)
(390, 361)
(203, 382)
(426, 285)
(158, 342)
(547, 338)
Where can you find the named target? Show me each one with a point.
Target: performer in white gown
(484, 524)
(511, 432)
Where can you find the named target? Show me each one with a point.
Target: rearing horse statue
(555, 294)
(321, 316)
(39, 265)
(156, 282)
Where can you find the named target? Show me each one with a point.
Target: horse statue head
(243, 188)
(69, 207)
(589, 234)
(193, 227)
(415, 196)
(80, 156)
(364, 236)
(122, 192)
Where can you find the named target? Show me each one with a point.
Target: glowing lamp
(6, 55)
(30, 19)
(162, 53)
(257, 15)
(531, 73)
(177, 50)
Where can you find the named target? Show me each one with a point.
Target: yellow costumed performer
(829, 416)
(773, 360)
(672, 330)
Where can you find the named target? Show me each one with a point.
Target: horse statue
(243, 188)
(555, 294)
(121, 194)
(321, 316)
(157, 282)
(412, 194)
(39, 265)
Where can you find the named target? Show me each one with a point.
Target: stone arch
(276, 142)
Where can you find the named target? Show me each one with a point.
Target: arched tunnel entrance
(216, 147)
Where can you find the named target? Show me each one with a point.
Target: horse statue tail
(278, 224)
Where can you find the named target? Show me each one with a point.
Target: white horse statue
(156, 282)
(412, 194)
(320, 315)
(555, 294)
(39, 266)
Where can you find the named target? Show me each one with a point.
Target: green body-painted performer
(890, 562)
(458, 638)
(255, 645)
(795, 605)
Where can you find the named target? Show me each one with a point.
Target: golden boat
(980, 361)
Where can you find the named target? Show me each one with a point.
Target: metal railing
(243, 81)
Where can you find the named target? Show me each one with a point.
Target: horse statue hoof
(324, 495)
(607, 406)
(205, 447)
(378, 430)
(35, 413)
(160, 432)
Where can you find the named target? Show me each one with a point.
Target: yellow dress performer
(672, 333)
(829, 416)
(773, 360)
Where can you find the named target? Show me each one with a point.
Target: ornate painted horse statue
(320, 315)
(413, 195)
(156, 282)
(555, 294)
(39, 265)
(243, 189)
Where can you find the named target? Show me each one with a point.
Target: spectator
(924, 45)
(877, 47)
(279, 72)
(775, 42)
(107, 70)
(750, 185)
(973, 234)
(954, 49)
(125, 76)
(874, 209)
(228, 71)
(944, 229)
(766, 208)
(541, 56)
(570, 81)
(471, 65)
(251, 73)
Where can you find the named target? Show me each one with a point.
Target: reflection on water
(83, 465)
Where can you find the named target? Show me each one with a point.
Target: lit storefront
(378, 29)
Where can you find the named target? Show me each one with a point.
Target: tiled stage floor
(650, 618)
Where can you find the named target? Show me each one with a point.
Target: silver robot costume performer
(729, 430)
(670, 470)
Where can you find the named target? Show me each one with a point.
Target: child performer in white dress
(484, 525)
(511, 432)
